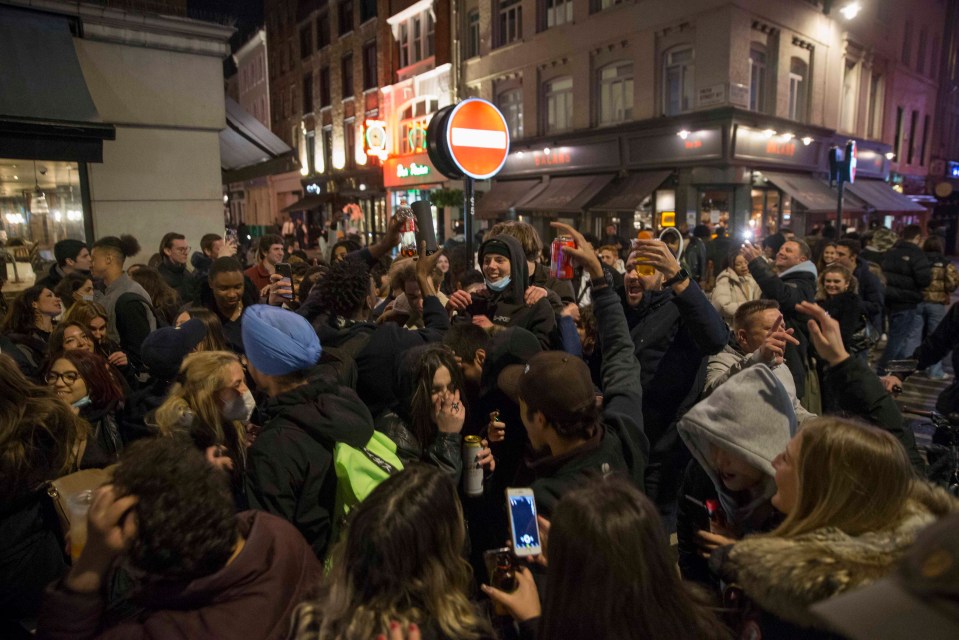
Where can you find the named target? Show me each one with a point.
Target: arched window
(414, 118)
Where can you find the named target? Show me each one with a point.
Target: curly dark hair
(22, 317)
(421, 364)
(126, 246)
(186, 527)
(345, 288)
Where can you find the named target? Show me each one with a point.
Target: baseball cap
(163, 350)
(554, 382)
(919, 600)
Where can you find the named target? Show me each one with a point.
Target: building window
(678, 70)
(898, 141)
(416, 37)
(925, 136)
(325, 92)
(306, 41)
(558, 101)
(601, 5)
(308, 93)
(510, 103)
(323, 30)
(934, 57)
(921, 53)
(413, 122)
(346, 16)
(369, 65)
(876, 97)
(557, 12)
(473, 34)
(510, 23)
(913, 123)
(310, 151)
(616, 93)
(757, 77)
(907, 43)
(798, 83)
(850, 95)
(349, 142)
(347, 75)
(328, 148)
(367, 10)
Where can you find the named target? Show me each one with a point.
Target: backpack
(358, 472)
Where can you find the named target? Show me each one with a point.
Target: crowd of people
(319, 448)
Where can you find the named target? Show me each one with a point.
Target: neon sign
(376, 138)
(414, 170)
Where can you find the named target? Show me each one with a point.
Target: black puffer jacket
(908, 272)
(290, 469)
(232, 331)
(179, 279)
(508, 308)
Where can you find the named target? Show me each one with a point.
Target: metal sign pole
(469, 199)
(839, 187)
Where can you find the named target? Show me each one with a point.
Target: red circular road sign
(477, 138)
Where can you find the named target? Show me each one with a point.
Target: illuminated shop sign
(376, 138)
(313, 188)
(414, 169)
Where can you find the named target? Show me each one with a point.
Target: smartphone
(524, 528)
(285, 270)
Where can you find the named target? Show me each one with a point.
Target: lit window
(414, 120)
(416, 37)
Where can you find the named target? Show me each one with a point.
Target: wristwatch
(679, 277)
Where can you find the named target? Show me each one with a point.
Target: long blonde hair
(856, 478)
(192, 407)
(403, 561)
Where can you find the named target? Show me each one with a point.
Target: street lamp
(851, 10)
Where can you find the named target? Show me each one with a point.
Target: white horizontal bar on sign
(479, 138)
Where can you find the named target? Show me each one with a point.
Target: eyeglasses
(69, 377)
(181, 249)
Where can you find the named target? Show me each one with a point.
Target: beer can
(561, 262)
(472, 471)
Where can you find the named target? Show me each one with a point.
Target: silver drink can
(472, 471)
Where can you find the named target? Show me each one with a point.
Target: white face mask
(240, 407)
(88, 298)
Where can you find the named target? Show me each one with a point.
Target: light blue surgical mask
(82, 402)
(499, 285)
(88, 298)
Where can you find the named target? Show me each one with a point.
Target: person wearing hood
(503, 302)
(560, 292)
(172, 267)
(201, 569)
(733, 440)
(290, 464)
(228, 293)
(734, 286)
(674, 328)
(790, 280)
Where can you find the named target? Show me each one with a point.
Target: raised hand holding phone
(523, 524)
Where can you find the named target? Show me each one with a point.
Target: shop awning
(813, 194)
(46, 111)
(627, 193)
(310, 202)
(246, 142)
(503, 195)
(881, 197)
(566, 195)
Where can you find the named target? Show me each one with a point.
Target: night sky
(245, 15)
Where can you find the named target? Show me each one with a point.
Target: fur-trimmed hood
(785, 576)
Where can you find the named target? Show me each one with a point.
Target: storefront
(413, 177)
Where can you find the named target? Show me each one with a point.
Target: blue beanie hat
(278, 342)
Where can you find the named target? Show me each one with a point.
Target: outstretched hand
(583, 252)
(523, 604)
(824, 333)
(773, 349)
(750, 251)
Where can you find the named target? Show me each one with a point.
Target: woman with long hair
(852, 507)
(29, 323)
(73, 288)
(214, 340)
(166, 300)
(828, 255)
(426, 420)
(68, 336)
(39, 438)
(838, 294)
(85, 382)
(401, 562)
(93, 316)
(611, 574)
(211, 404)
(734, 286)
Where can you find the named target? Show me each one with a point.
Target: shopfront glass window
(715, 206)
(40, 204)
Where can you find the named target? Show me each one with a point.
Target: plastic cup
(78, 507)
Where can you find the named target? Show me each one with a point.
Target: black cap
(163, 350)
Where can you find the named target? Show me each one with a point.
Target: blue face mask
(499, 285)
(82, 402)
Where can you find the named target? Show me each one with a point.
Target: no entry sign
(469, 139)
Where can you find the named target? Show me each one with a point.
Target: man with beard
(674, 329)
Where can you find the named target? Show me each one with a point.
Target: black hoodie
(232, 330)
(290, 469)
(508, 308)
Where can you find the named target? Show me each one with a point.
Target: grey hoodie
(752, 418)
